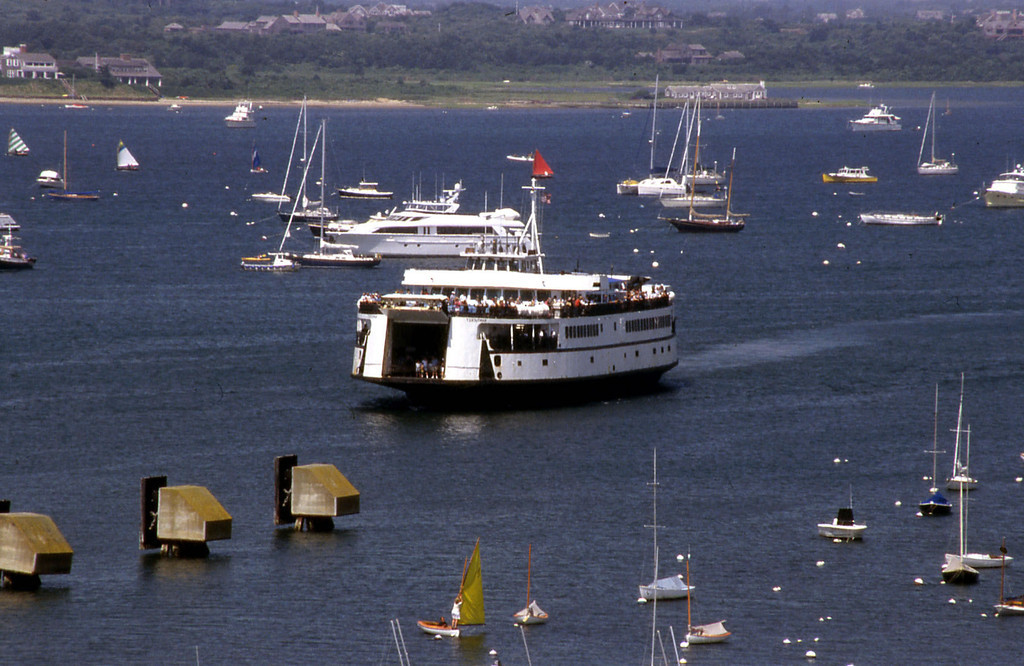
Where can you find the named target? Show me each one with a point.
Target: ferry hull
(493, 393)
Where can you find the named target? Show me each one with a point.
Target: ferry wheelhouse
(502, 330)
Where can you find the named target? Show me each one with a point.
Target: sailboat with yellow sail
(468, 607)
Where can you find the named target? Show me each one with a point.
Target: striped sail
(15, 146)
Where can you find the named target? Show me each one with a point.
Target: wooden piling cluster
(179, 520)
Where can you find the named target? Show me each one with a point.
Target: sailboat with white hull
(934, 166)
(125, 160)
(698, 634)
(961, 478)
(668, 587)
(531, 613)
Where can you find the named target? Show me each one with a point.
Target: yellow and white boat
(849, 175)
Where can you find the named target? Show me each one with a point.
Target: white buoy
(919, 514)
(899, 503)
(850, 224)
(601, 215)
(820, 563)
(814, 213)
(115, 194)
(836, 461)
(825, 262)
(641, 600)
(919, 581)
(810, 654)
(776, 589)
(636, 250)
(233, 214)
(952, 601)
(680, 557)
(786, 641)
(654, 264)
(841, 246)
(184, 205)
(1019, 479)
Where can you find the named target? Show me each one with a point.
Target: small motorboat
(366, 189)
(903, 219)
(849, 175)
(842, 526)
(274, 262)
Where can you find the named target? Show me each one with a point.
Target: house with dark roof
(691, 54)
(125, 68)
(536, 16)
(20, 63)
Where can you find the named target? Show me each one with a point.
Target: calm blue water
(138, 347)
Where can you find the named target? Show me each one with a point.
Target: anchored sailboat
(714, 632)
(64, 195)
(937, 504)
(468, 607)
(1007, 605)
(669, 587)
(15, 146)
(532, 613)
(961, 478)
(935, 166)
(125, 160)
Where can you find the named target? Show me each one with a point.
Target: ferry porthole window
(544, 362)
(499, 375)
(497, 361)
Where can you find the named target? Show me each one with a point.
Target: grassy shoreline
(469, 94)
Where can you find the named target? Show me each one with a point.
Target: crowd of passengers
(631, 300)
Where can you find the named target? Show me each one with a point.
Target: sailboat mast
(696, 157)
(529, 558)
(64, 177)
(959, 415)
(728, 195)
(689, 622)
(920, 153)
(935, 442)
(654, 123)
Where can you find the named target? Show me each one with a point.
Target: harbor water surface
(810, 348)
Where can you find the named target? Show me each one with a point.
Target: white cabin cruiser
(503, 331)
(878, 119)
(1007, 191)
(242, 116)
(423, 229)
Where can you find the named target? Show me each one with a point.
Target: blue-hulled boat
(936, 505)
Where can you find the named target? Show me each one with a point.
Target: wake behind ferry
(502, 331)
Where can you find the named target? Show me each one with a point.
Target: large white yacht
(1007, 191)
(423, 228)
(878, 119)
(502, 331)
(242, 116)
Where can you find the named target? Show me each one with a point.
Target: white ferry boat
(422, 228)
(241, 116)
(502, 331)
(877, 119)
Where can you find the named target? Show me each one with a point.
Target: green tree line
(482, 42)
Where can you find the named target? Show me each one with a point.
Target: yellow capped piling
(311, 496)
(180, 520)
(30, 546)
